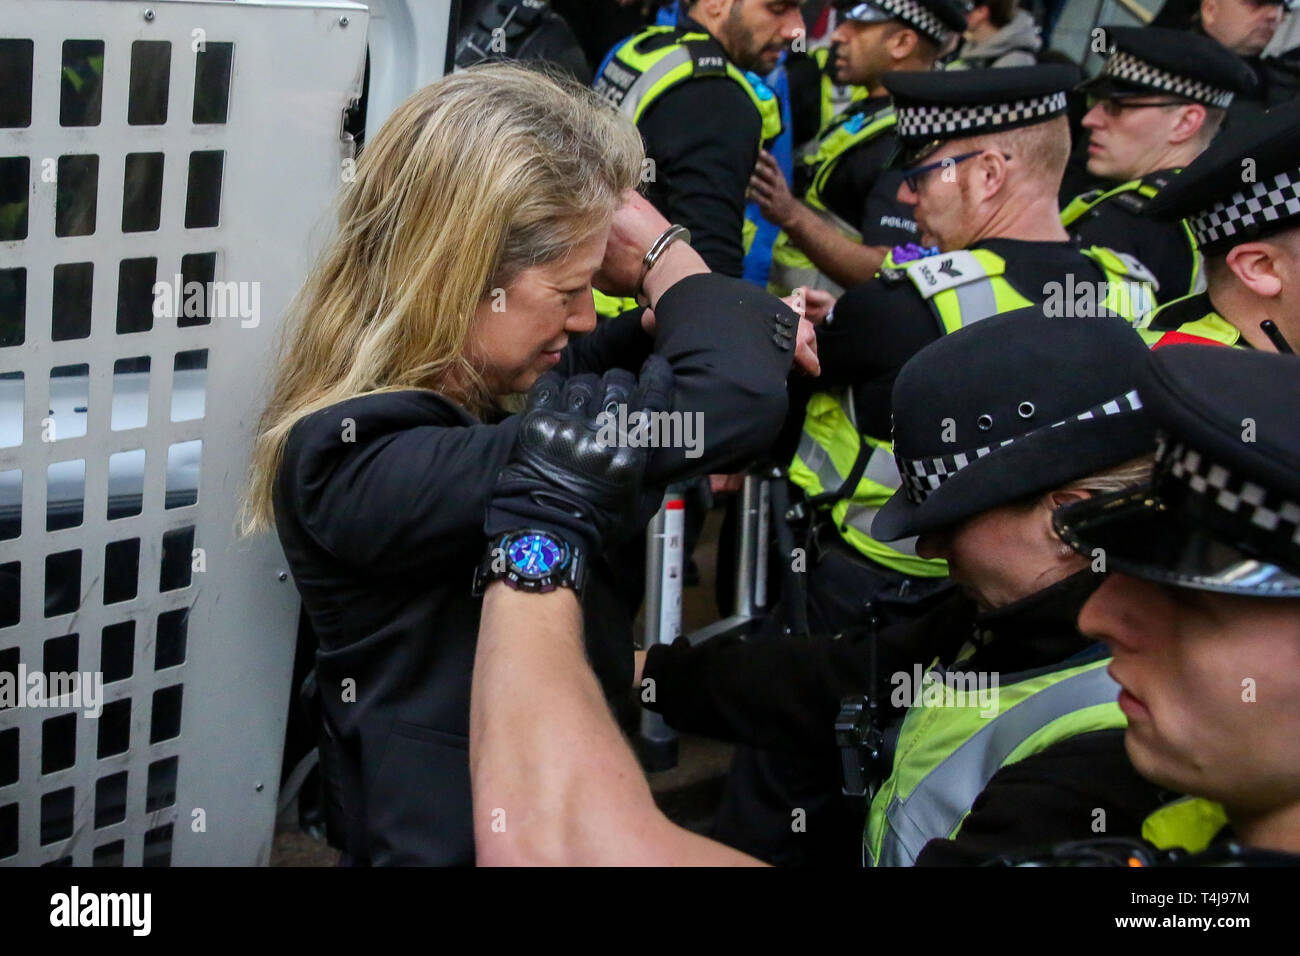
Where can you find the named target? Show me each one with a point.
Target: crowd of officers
(1052, 438)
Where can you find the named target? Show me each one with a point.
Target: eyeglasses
(1113, 107)
(914, 176)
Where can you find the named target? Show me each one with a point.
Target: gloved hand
(564, 473)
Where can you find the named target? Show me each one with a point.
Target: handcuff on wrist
(656, 251)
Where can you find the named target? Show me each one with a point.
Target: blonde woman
(461, 271)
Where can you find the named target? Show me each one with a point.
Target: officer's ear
(1055, 500)
(902, 44)
(1256, 266)
(993, 164)
(1187, 125)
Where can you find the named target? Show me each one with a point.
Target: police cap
(1155, 60)
(1223, 510)
(939, 20)
(936, 106)
(1015, 405)
(1245, 186)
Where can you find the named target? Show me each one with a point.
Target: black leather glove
(564, 474)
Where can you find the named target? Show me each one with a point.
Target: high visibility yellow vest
(658, 59)
(829, 447)
(1081, 205)
(829, 94)
(790, 267)
(961, 288)
(1190, 824)
(1209, 329)
(653, 62)
(947, 753)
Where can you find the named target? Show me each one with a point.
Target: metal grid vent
(132, 351)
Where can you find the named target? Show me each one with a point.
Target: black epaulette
(707, 58)
(1132, 200)
(1181, 311)
(892, 275)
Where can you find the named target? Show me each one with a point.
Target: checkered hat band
(922, 476)
(1256, 509)
(916, 15)
(945, 122)
(1260, 204)
(1131, 69)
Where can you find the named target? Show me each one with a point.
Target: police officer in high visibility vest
(1201, 607)
(992, 150)
(816, 92)
(843, 215)
(1154, 107)
(695, 93)
(990, 435)
(1241, 201)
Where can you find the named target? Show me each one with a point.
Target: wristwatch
(531, 560)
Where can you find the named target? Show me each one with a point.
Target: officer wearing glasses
(1155, 106)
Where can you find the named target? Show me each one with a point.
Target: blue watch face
(535, 555)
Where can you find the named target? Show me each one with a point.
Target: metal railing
(665, 570)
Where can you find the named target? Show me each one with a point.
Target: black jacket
(862, 192)
(1121, 223)
(383, 532)
(784, 695)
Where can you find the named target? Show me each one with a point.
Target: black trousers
(766, 790)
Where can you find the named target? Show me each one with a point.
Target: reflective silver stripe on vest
(944, 796)
(881, 466)
(646, 81)
(861, 518)
(818, 461)
(977, 300)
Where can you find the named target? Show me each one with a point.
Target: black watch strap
(496, 565)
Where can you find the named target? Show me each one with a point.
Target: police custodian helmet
(1223, 510)
(1011, 406)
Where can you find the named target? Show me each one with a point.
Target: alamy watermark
(947, 689)
(641, 429)
(1087, 300)
(216, 300)
(72, 690)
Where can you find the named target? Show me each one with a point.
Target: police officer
(993, 149)
(695, 93)
(1154, 107)
(846, 217)
(1200, 606)
(1241, 202)
(1032, 758)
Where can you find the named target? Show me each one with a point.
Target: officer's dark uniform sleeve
(1052, 797)
(783, 693)
(703, 137)
(877, 327)
(885, 220)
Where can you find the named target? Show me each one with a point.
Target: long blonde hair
(471, 180)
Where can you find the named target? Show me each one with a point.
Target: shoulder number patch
(934, 274)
